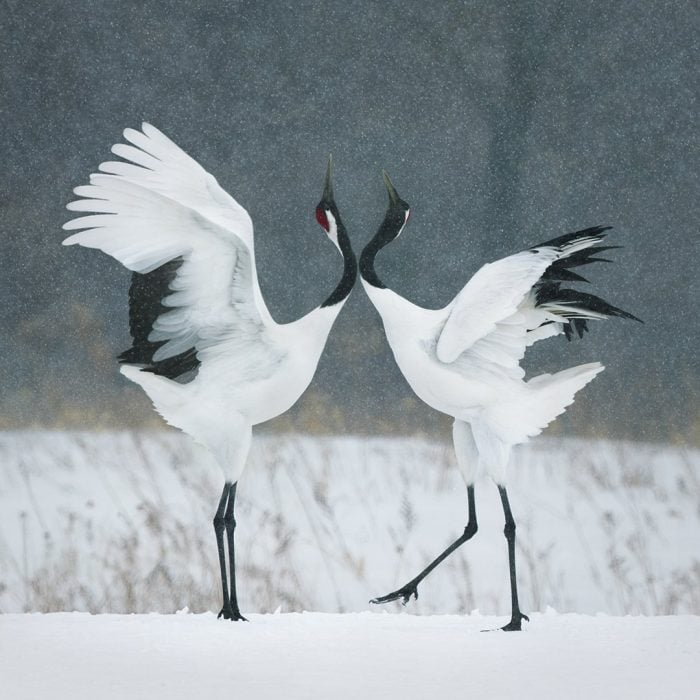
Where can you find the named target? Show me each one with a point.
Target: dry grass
(122, 522)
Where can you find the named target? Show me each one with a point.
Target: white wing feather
(505, 345)
(162, 205)
(491, 296)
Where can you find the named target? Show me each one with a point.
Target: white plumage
(210, 357)
(464, 359)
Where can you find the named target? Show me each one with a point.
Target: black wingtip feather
(146, 295)
(549, 288)
(568, 237)
(551, 292)
(578, 261)
(560, 274)
(593, 303)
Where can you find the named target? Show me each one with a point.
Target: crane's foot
(228, 613)
(515, 623)
(406, 592)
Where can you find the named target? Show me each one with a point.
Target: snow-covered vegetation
(121, 522)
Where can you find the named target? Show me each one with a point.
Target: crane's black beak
(328, 184)
(393, 194)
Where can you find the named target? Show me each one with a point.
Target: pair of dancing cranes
(214, 363)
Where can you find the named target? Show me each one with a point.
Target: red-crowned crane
(205, 348)
(464, 359)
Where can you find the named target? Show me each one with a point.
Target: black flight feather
(146, 294)
(548, 288)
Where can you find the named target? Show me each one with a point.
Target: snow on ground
(121, 522)
(361, 655)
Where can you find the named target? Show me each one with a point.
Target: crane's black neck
(394, 221)
(347, 281)
(367, 270)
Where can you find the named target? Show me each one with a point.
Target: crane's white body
(235, 391)
(464, 359)
(160, 205)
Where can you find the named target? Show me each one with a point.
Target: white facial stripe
(332, 228)
(405, 221)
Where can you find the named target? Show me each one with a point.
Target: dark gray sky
(502, 125)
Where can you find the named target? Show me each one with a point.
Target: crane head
(398, 212)
(326, 210)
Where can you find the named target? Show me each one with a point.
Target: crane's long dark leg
(219, 527)
(411, 588)
(230, 522)
(509, 531)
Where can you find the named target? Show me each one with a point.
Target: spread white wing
(491, 296)
(497, 314)
(161, 205)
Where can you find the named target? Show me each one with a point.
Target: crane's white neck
(333, 230)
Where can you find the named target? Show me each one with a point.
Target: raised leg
(509, 531)
(230, 523)
(411, 588)
(219, 528)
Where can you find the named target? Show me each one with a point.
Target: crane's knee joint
(230, 521)
(509, 530)
(470, 530)
(219, 522)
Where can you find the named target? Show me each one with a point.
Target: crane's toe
(515, 624)
(405, 593)
(228, 613)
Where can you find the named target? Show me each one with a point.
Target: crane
(205, 348)
(464, 359)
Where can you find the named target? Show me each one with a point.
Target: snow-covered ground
(121, 522)
(318, 656)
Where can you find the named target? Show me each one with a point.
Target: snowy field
(318, 656)
(121, 522)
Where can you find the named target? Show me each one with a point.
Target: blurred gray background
(502, 124)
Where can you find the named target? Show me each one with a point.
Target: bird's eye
(322, 219)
